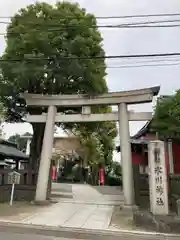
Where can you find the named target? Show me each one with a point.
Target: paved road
(20, 233)
(7, 234)
(24, 236)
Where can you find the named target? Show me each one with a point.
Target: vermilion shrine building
(139, 144)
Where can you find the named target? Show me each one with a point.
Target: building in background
(11, 157)
(139, 144)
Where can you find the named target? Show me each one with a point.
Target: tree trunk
(36, 145)
(94, 172)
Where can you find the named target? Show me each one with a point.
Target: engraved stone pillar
(158, 178)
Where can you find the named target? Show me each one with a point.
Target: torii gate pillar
(126, 158)
(46, 154)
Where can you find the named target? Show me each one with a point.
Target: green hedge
(114, 180)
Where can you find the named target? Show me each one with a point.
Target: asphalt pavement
(27, 236)
(24, 236)
(20, 233)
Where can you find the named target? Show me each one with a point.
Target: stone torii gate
(123, 116)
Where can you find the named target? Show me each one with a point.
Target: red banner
(101, 176)
(54, 173)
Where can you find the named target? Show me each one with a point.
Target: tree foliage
(45, 47)
(41, 40)
(167, 116)
(19, 140)
(116, 169)
(98, 144)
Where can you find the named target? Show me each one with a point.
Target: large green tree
(46, 53)
(166, 119)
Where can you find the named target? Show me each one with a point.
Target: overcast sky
(125, 41)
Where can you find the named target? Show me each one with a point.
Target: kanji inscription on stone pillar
(158, 178)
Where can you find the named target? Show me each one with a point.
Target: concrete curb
(108, 203)
(81, 233)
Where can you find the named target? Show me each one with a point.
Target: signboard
(13, 178)
(158, 178)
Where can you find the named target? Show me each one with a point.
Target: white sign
(13, 178)
(158, 178)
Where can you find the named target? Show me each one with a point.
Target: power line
(132, 26)
(151, 22)
(132, 65)
(145, 65)
(155, 60)
(120, 16)
(140, 16)
(125, 25)
(19, 35)
(58, 28)
(136, 64)
(28, 58)
(33, 23)
(153, 26)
